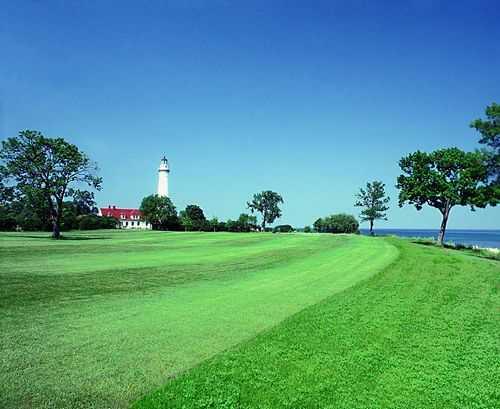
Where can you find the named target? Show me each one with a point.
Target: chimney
(114, 207)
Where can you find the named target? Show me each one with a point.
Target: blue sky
(308, 98)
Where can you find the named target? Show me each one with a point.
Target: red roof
(123, 214)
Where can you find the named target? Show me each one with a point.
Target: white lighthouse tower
(163, 172)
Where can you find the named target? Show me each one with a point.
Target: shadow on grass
(84, 238)
(62, 238)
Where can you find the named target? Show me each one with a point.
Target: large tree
(374, 201)
(442, 179)
(48, 168)
(489, 129)
(160, 212)
(267, 204)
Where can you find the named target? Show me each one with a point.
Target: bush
(337, 223)
(7, 220)
(94, 222)
(245, 223)
(283, 228)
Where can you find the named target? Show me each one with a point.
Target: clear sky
(308, 98)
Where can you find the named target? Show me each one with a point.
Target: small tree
(442, 179)
(186, 221)
(246, 222)
(307, 229)
(213, 224)
(160, 212)
(232, 225)
(193, 218)
(374, 203)
(46, 168)
(267, 204)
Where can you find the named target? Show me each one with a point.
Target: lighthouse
(163, 172)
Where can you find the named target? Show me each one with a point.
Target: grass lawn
(103, 318)
(424, 333)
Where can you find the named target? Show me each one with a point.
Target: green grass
(103, 318)
(424, 333)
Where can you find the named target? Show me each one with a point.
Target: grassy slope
(105, 318)
(425, 333)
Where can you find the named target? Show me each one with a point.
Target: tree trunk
(444, 222)
(56, 219)
(56, 231)
(371, 227)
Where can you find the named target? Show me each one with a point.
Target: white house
(128, 218)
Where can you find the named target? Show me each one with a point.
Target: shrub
(7, 220)
(284, 228)
(337, 223)
(94, 222)
(245, 223)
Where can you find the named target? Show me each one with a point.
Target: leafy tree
(214, 224)
(317, 225)
(337, 223)
(82, 205)
(232, 225)
(246, 222)
(217, 225)
(160, 212)
(69, 217)
(83, 202)
(27, 212)
(267, 204)
(374, 203)
(46, 168)
(8, 220)
(442, 179)
(186, 221)
(307, 229)
(195, 213)
(193, 218)
(490, 138)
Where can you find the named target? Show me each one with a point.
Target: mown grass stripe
(102, 339)
(424, 333)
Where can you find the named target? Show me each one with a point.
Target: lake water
(481, 238)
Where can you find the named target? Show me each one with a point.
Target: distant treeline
(29, 215)
(162, 214)
(43, 184)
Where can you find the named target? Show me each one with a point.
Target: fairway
(101, 319)
(424, 333)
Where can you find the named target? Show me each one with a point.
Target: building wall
(134, 224)
(162, 183)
